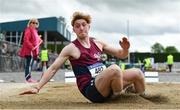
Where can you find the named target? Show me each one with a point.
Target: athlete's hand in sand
(124, 43)
(30, 91)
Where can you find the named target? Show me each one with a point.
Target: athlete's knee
(139, 73)
(115, 71)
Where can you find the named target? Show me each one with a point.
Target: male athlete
(94, 80)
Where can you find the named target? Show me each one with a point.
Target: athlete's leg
(111, 79)
(135, 77)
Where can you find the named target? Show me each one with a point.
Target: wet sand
(66, 96)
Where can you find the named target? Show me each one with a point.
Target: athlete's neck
(85, 42)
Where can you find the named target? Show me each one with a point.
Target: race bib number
(96, 68)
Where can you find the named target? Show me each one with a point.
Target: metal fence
(9, 59)
(11, 63)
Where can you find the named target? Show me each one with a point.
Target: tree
(157, 48)
(171, 49)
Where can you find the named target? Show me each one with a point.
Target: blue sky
(150, 21)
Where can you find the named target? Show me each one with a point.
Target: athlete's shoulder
(67, 50)
(99, 41)
(70, 50)
(69, 47)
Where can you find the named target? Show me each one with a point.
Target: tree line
(158, 48)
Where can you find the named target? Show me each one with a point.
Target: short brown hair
(80, 15)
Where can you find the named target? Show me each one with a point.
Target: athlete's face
(81, 28)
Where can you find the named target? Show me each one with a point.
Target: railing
(9, 59)
(11, 63)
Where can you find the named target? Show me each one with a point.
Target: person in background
(147, 63)
(4, 49)
(104, 58)
(170, 62)
(30, 47)
(44, 58)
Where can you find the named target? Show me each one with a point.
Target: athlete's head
(81, 24)
(80, 15)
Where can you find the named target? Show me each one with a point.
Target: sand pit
(66, 96)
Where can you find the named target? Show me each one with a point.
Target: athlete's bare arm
(63, 56)
(118, 52)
